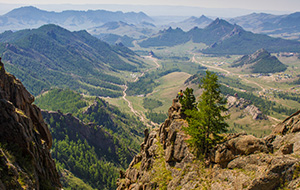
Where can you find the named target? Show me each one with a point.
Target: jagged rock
(25, 140)
(245, 105)
(240, 162)
(255, 112)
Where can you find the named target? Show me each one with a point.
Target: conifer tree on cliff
(188, 102)
(206, 123)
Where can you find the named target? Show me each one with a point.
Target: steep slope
(53, 56)
(25, 140)
(32, 17)
(260, 62)
(86, 150)
(222, 38)
(93, 139)
(240, 162)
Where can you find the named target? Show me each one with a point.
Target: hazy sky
(279, 5)
(212, 8)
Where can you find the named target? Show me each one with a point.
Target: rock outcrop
(25, 140)
(241, 161)
(245, 106)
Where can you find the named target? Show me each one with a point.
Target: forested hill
(260, 62)
(53, 56)
(92, 140)
(222, 37)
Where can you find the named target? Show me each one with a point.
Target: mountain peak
(219, 22)
(24, 11)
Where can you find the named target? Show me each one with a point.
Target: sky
(279, 5)
(219, 6)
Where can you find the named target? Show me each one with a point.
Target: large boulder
(235, 146)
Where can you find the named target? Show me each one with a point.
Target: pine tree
(206, 123)
(188, 102)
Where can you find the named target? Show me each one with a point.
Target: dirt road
(136, 113)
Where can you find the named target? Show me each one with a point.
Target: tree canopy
(207, 121)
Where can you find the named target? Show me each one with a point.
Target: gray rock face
(240, 162)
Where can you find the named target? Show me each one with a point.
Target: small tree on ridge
(206, 123)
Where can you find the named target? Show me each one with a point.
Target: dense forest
(95, 144)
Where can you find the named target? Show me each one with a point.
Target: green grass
(70, 182)
(171, 83)
(179, 50)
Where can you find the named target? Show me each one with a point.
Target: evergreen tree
(207, 122)
(188, 102)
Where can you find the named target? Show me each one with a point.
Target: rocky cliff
(25, 141)
(241, 161)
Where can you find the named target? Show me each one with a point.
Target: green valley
(98, 99)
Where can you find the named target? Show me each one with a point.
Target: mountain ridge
(284, 26)
(52, 52)
(222, 38)
(32, 17)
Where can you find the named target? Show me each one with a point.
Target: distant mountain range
(120, 28)
(53, 56)
(286, 26)
(31, 17)
(138, 25)
(221, 37)
(260, 62)
(192, 22)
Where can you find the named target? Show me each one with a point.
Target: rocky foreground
(241, 162)
(25, 140)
